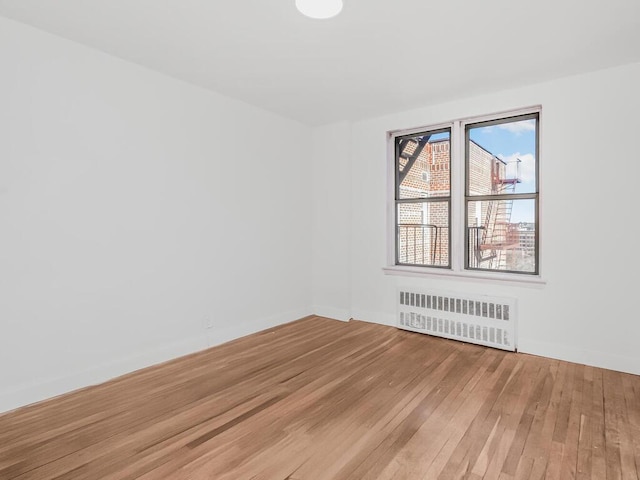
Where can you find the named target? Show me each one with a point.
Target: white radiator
(481, 319)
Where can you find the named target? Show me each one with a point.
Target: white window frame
(458, 167)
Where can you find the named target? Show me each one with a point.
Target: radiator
(481, 319)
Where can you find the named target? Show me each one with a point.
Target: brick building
(423, 227)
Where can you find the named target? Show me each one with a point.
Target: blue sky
(509, 142)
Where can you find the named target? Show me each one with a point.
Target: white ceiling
(378, 56)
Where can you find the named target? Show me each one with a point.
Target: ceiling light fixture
(319, 8)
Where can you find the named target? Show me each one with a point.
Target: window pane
(502, 157)
(423, 233)
(423, 165)
(502, 235)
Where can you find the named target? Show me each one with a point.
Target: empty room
(319, 240)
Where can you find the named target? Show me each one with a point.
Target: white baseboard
(592, 358)
(219, 336)
(330, 312)
(27, 394)
(577, 355)
(388, 319)
(37, 391)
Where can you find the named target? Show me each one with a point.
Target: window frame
(403, 201)
(458, 204)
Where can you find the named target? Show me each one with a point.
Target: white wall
(331, 231)
(587, 312)
(133, 209)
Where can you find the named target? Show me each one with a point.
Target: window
(423, 198)
(466, 196)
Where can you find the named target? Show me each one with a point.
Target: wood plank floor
(321, 399)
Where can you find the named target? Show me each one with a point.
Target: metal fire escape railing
(412, 157)
(475, 242)
(422, 244)
(488, 243)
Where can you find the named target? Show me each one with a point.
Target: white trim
(540, 225)
(391, 196)
(499, 115)
(456, 228)
(410, 131)
(388, 319)
(341, 314)
(497, 277)
(475, 119)
(27, 394)
(592, 358)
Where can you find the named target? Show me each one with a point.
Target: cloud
(519, 127)
(527, 165)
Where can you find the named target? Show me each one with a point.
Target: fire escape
(422, 241)
(491, 241)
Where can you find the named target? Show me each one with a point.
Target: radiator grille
(480, 319)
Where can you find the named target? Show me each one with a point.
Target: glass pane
(502, 235)
(502, 157)
(423, 163)
(423, 234)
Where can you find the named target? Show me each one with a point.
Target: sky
(509, 142)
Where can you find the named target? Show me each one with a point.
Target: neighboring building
(526, 236)
(423, 227)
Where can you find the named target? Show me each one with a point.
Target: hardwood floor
(321, 399)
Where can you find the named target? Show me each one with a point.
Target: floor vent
(480, 319)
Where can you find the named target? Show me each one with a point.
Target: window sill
(503, 278)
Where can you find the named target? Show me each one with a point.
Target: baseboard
(388, 319)
(330, 312)
(219, 336)
(38, 391)
(592, 358)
